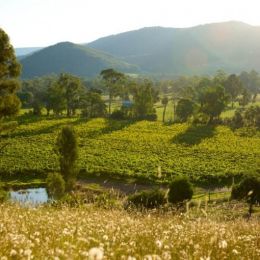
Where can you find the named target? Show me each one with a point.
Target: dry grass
(94, 233)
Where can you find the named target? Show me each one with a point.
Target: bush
(149, 117)
(55, 185)
(237, 120)
(247, 185)
(148, 199)
(3, 195)
(180, 190)
(118, 115)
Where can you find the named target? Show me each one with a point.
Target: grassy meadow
(95, 233)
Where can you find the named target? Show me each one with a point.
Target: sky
(40, 23)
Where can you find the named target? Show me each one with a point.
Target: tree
(184, 109)
(71, 88)
(144, 96)
(112, 80)
(92, 104)
(56, 98)
(248, 189)
(213, 101)
(252, 116)
(55, 185)
(165, 101)
(180, 190)
(245, 97)
(233, 87)
(9, 72)
(251, 81)
(67, 150)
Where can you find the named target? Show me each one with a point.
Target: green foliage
(213, 101)
(180, 190)
(3, 195)
(248, 188)
(148, 199)
(112, 79)
(71, 88)
(118, 115)
(233, 87)
(9, 71)
(237, 120)
(184, 109)
(144, 96)
(249, 117)
(67, 150)
(133, 149)
(55, 185)
(92, 105)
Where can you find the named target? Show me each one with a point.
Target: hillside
(133, 149)
(72, 58)
(232, 46)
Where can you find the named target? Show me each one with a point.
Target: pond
(33, 196)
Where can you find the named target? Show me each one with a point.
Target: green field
(132, 149)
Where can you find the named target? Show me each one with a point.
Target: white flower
(235, 252)
(222, 244)
(13, 252)
(205, 258)
(158, 243)
(96, 253)
(152, 257)
(105, 237)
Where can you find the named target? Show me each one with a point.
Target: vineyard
(133, 149)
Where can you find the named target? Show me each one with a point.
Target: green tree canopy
(184, 109)
(9, 72)
(112, 81)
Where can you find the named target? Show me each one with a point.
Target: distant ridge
(73, 58)
(232, 46)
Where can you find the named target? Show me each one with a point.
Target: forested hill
(69, 57)
(232, 46)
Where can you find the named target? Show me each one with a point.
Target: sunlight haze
(45, 22)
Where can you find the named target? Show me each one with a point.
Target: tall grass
(89, 232)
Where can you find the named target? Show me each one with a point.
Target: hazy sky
(44, 22)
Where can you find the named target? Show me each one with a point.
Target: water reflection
(34, 196)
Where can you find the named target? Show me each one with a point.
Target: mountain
(69, 57)
(25, 51)
(232, 46)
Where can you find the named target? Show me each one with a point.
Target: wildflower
(131, 258)
(152, 257)
(235, 252)
(158, 243)
(96, 253)
(13, 252)
(105, 237)
(222, 244)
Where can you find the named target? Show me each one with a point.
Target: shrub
(3, 195)
(118, 115)
(250, 184)
(149, 117)
(237, 120)
(55, 185)
(67, 150)
(180, 190)
(148, 199)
